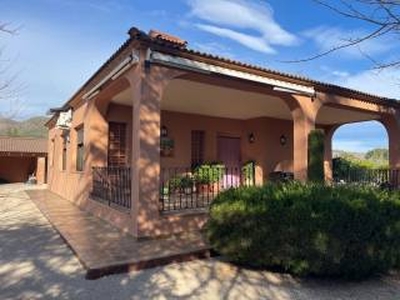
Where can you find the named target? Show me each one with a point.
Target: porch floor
(104, 249)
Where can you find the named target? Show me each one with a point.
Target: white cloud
(384, 83)
(327, 38)
(340, 73)
(252, 42)
(231, 18)
(215, 48)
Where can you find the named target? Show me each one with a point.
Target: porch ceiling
(206, 99)
(334, 115)
(212, 100)
(219, 101)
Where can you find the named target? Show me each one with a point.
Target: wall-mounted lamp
(252, 138)
(164, 131)
(283, 140)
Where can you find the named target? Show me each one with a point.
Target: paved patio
(104, 249)
(35, 263)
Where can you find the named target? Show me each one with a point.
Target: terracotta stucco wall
(266, 151)
(76, 185)
(70, 183)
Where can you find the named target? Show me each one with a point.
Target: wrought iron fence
(384, 178)
(112, 185)
(191, 188)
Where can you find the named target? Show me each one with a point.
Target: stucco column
(147, 86)
(302, 126)
(96, 135)
(304, 110)
(392, 125)
(41, 170)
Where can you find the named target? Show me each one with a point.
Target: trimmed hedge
(308, 229)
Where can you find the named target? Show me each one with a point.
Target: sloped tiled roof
(178, 46)
(23, 145)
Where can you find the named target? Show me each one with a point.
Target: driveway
(35, 263)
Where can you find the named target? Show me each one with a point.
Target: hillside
(30, 127)
(374, 158)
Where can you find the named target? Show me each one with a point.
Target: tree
(9, 88)
(378, 155)
(382, 17)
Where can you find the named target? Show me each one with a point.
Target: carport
(21, 157)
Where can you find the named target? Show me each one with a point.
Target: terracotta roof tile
(165, 37)
(23, 145)
(175, 44)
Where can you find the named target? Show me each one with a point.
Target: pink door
(229, 155)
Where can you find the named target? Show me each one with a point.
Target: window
(197, 147)
(80, 149)
(116, 144)
(65, 138)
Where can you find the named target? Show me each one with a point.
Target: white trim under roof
(197, 66)
(131, 60)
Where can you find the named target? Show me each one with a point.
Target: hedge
(308, 229)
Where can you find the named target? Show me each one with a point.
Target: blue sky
(62, 42)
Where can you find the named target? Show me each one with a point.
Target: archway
(360, 152)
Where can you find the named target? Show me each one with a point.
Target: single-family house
(159, 130)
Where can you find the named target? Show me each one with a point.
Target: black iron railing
(188, 188)
(384, 178)
(112, 185)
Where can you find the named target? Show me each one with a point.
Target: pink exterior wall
(266, 151)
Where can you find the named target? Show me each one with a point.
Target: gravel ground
(36, 264)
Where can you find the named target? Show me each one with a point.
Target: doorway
(229, 154)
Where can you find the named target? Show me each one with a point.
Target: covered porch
(211, 134)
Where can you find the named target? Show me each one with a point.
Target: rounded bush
(308, 229)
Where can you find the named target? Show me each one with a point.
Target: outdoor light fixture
(283, 140)
(164, 131)
(252, 138)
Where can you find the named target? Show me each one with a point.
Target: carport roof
(26, 145)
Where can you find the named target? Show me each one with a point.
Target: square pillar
(41, 170)
(301, 129)
(146, 114)
(392, 125)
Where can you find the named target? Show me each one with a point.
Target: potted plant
(166, 146)
(181, 184)
(207, 175)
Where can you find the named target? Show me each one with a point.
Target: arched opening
(360, 138)
(351, 133)
(360, 153)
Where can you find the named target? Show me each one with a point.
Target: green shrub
(208, 173)
(308, 229)
(181, 182)
(316, 156)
